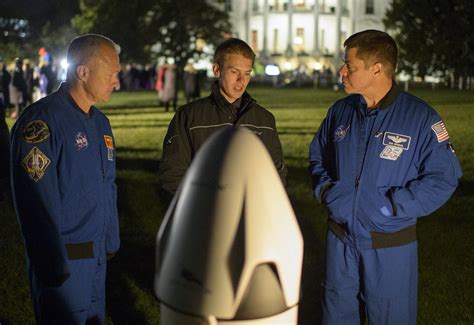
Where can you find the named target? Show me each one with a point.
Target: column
(316, 50)
(337, 49)
(289, 48)
(264, 52)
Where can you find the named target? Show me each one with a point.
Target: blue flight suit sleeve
(112, 240)
(439, 171)
(34, 156)
(321, 180)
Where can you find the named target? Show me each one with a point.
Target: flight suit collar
(63, 91)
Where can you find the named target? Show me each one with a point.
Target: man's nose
(343, 70)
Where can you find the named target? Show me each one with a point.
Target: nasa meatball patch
(340, 133)
(35, 131)
(81, 141)
(35, 164)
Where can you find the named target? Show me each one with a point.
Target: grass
(446, 249)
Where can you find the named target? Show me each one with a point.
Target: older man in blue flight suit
(63, 182)
(381, 159)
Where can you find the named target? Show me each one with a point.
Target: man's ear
(216, 70)
(378, 69)
(82, 72)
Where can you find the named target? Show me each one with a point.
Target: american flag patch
(440, 131)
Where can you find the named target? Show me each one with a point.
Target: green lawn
(446, 249)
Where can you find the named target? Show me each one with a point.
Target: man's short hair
(233, 46)
(82, 48)
(375, 46)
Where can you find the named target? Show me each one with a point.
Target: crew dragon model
(229, 250)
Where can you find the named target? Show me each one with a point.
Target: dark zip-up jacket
(193, 123)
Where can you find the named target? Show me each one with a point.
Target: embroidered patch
(109, 143)
(397, 140)
(35, 132)
(391, 152)
(81, 141)
(340, 133)
(35, 164)
(440, 131)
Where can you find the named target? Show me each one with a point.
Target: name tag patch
(397, 140)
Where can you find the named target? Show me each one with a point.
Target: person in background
(228, 105)
(381, 159)
(63, 187)
(5, 79)
(29, 83)
(168, 92)
(4, 136)
(17, 88)
(191, 83)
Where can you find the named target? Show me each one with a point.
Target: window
(300, 4)
(369, 7)
(255, 6)
(299, 40)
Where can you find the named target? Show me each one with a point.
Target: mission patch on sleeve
(35, 164)
(35, 132)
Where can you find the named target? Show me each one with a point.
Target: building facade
(303, 33)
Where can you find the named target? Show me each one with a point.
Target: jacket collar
(63, 91)
(390, 97)
(220, 100)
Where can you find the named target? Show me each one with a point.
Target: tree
(149, 28)
(434, 36)
(32, 24)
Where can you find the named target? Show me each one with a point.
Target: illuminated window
(300, 4)
(299, 40)
(369, 7)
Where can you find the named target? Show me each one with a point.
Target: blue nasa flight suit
(63, 182)
(377, 171)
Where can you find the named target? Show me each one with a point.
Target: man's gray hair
(82, 48)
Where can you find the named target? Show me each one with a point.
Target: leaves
(433, 35)
(147, 29)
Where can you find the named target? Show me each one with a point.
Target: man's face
(356, 78)
(233, 76)
(103, 75)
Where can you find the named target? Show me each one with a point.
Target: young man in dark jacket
(228, 105)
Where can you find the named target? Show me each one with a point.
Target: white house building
(309, 33)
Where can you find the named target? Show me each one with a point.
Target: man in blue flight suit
(380, 159)
(63, 184)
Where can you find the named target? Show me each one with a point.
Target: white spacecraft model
(229, 250)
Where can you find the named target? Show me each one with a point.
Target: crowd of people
(163, 78)
(23, 83)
